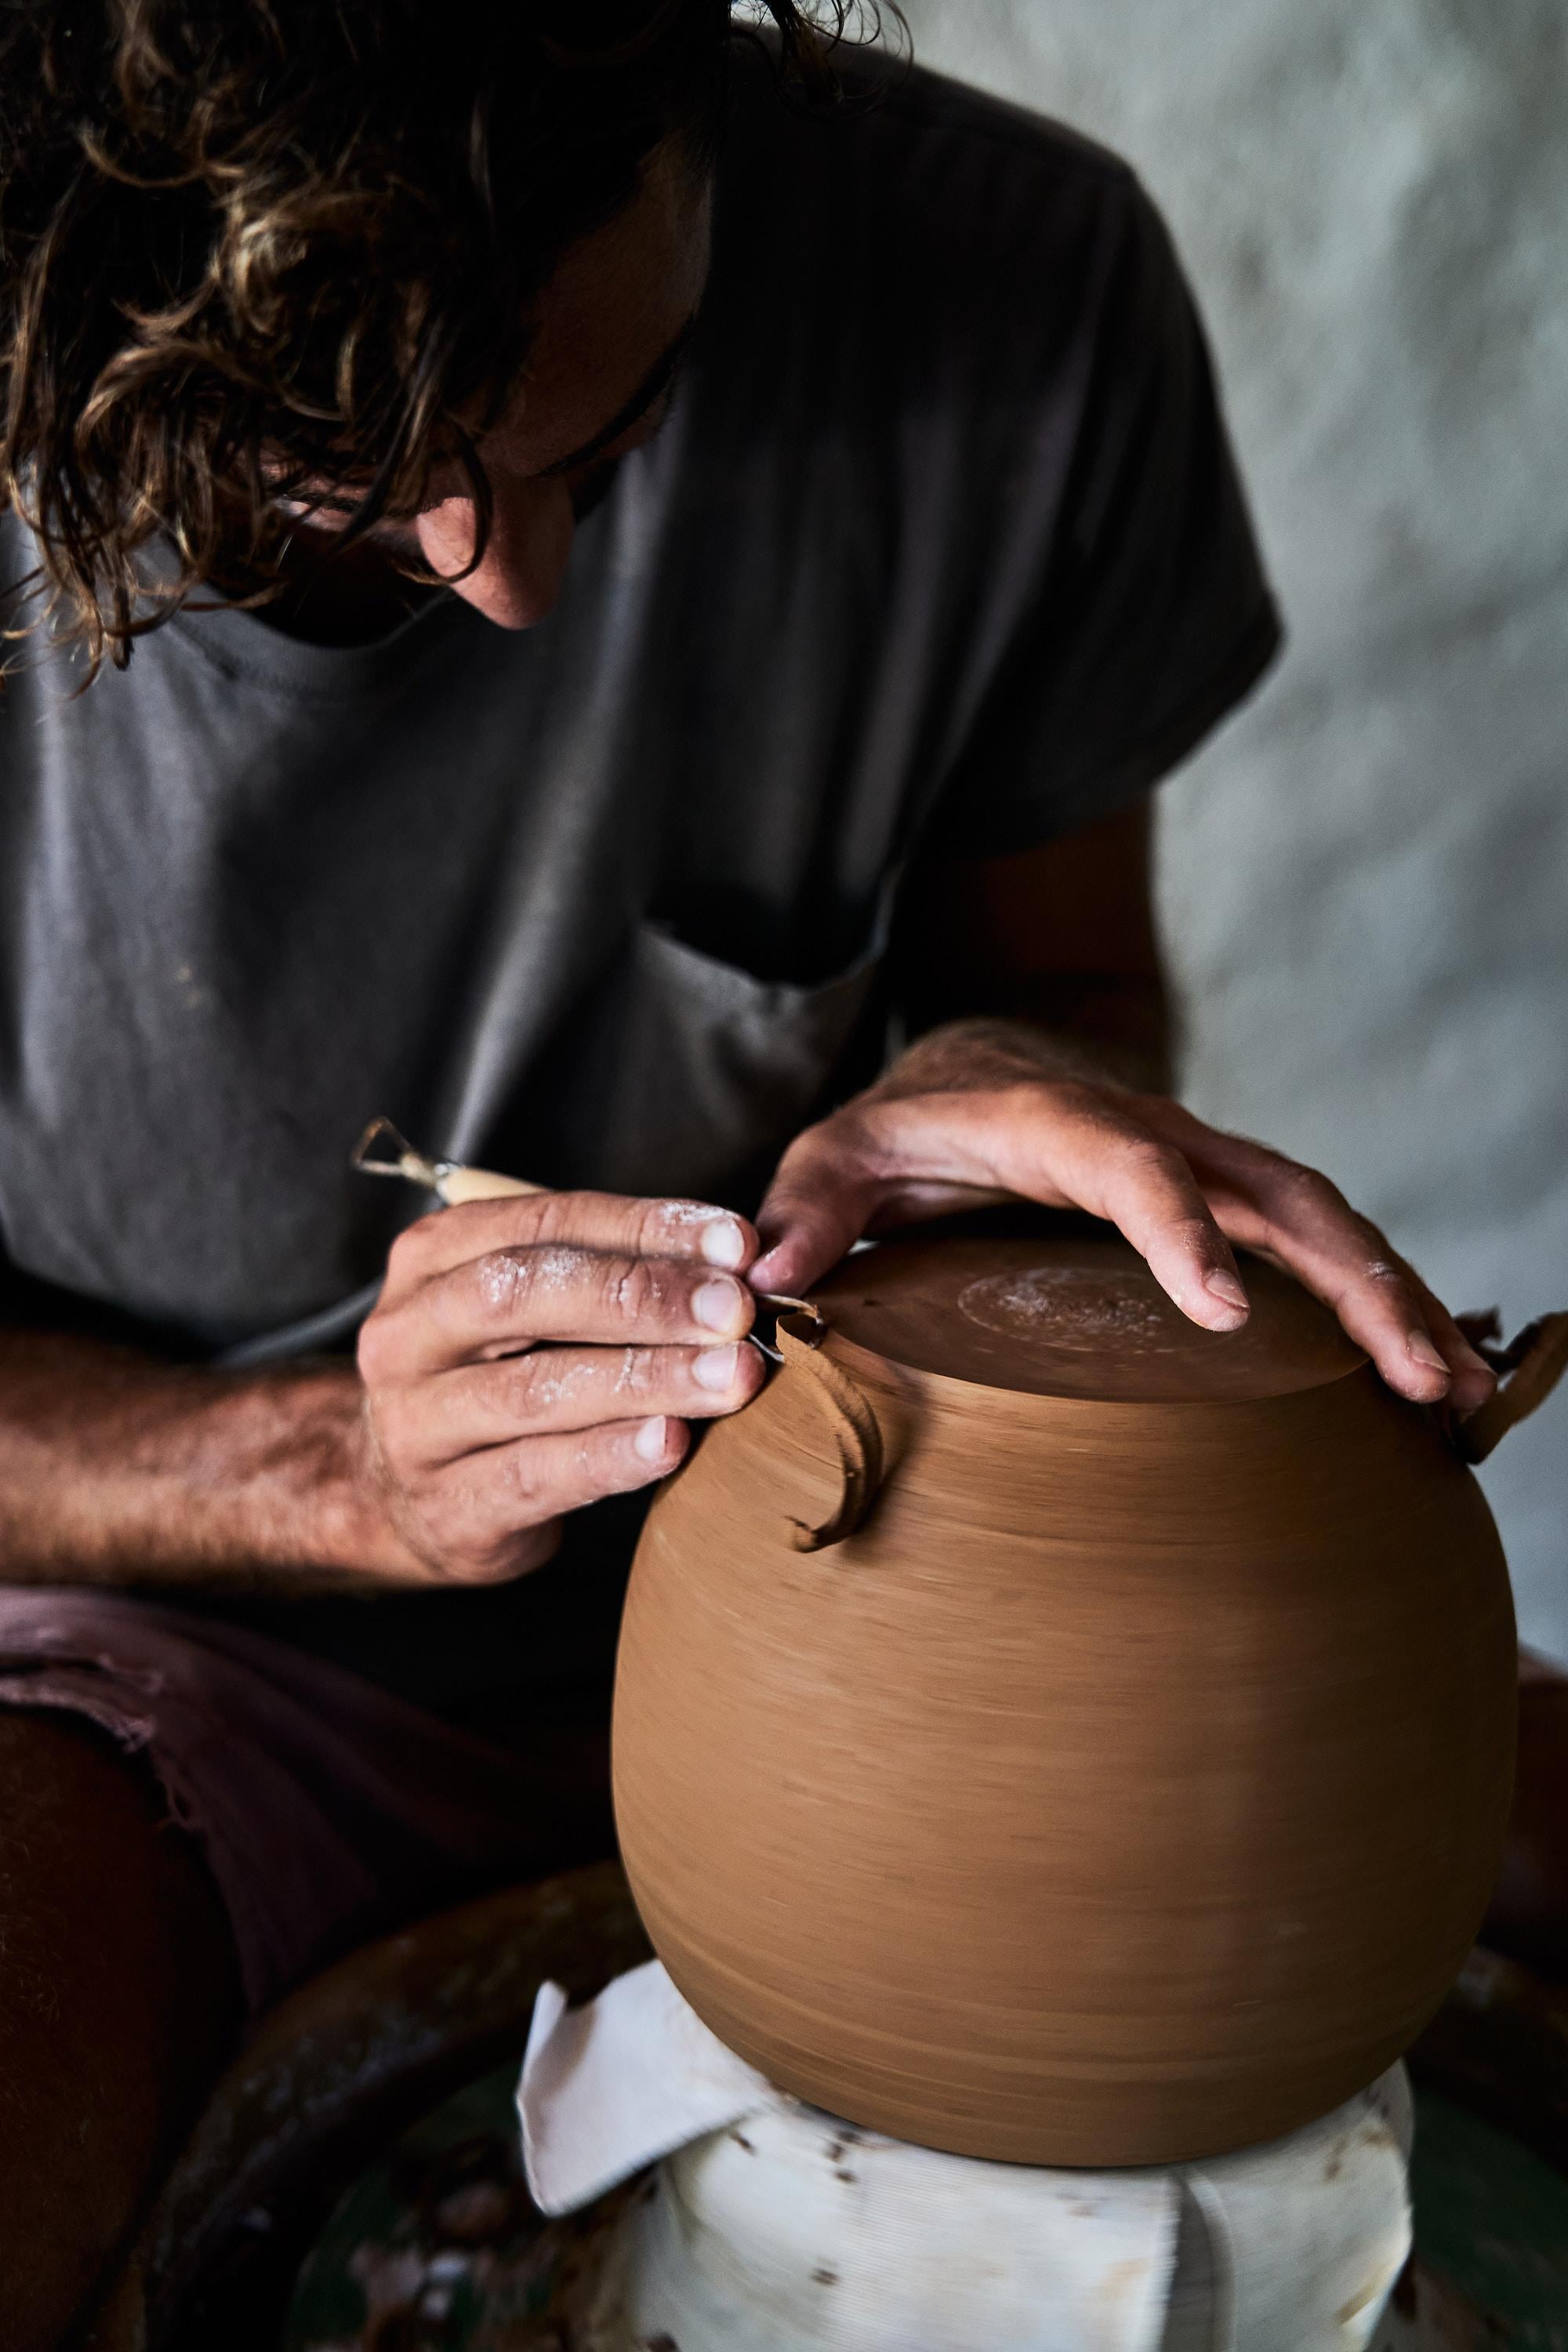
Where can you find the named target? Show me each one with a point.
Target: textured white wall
(1364, 874)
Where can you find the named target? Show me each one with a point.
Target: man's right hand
(531, 1354)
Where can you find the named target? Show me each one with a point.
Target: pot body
(1129, 1788)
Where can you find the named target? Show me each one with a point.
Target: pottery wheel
(1073, 1311)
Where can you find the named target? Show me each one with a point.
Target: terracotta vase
(1048, 1732)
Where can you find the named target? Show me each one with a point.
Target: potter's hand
(529, 1356)
(983, 1111)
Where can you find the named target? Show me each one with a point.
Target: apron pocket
(689, 1075)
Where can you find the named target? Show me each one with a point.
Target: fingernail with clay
(1225, 1287)
(1422, 1351)
(716, 1368)
(651, 1443)
(723, 1242)
(716, 1305)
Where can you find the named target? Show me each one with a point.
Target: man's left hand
(982, 1111)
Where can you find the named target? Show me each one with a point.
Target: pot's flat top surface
(1075, 1313)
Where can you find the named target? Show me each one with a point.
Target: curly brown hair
(250, 245)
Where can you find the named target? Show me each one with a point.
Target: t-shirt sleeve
(1148, 616)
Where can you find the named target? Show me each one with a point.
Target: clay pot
(1047, 1731)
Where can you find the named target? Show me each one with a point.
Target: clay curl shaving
(249, 247)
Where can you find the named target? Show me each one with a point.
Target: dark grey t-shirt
(941, 552)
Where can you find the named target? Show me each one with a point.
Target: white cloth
(771, 2225)
(611, 2087)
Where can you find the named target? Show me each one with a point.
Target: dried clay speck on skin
(508, 1275)
(555, 1269)
(552, 1387)
(512, 1275)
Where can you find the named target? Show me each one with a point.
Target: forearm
(1101, 1034)
(1060, 941)
(1107, 1028)
(117, 1469)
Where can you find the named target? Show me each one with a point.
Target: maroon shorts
(328, 1809)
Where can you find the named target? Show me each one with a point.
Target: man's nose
(518, 579)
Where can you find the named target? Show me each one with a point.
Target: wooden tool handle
(454, 1185)
(857, 1433)
(383, 1151)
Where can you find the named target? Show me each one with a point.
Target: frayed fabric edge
(137, 1736)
